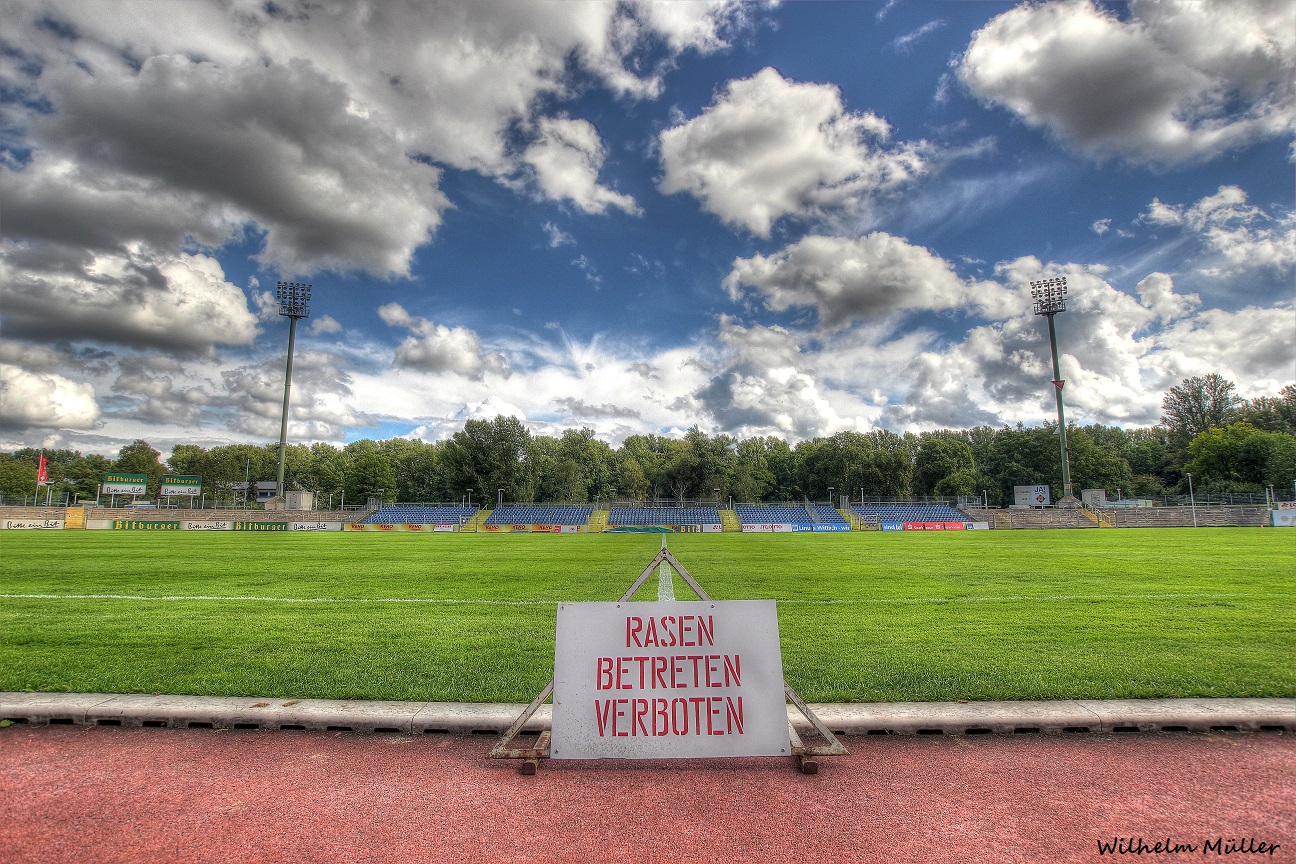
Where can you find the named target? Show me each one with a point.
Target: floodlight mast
(1050, 298)
(294, 303)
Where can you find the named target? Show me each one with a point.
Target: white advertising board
(33, 524)
(1031, 496)
(317, 526)
(1283, 518)
(206, 526)
(767, 527)
(668, 679)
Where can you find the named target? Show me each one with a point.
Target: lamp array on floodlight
(294, 303)
(1049, 295)
(1050, 298)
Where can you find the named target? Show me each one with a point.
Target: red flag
(42, 472)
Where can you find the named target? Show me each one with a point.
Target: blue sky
(790, 219)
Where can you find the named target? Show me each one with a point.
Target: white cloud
(325, 325)
(1243, 235)
(557, 236)
(769, 148)
(566, 157)
(1101, 226)
(322, 407)
(848, 280)
(45, 400)
(173, 302)
(314, 124)
(764, 387)
(1174, 81)
(438, 348)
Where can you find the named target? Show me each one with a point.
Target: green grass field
(863, 617)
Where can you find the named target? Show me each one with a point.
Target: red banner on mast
(42, 471)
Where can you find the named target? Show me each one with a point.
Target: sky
(785, 219)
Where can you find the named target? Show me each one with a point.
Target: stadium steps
(598, 521)
(729, 519)
(853, 519)
(74, 517)
(1097, 518)
(475, 523)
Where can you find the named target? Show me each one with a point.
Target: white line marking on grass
(451, 601)
(221, 599)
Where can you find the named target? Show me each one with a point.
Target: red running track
(92, 794)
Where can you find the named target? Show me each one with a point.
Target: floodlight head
(1049, 295)
(294, 299)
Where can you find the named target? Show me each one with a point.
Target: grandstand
(908, 513)
(770, 514)
(421, 514)
(825, 514)
(664, 516)
(528, 515)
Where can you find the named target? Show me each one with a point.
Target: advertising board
(316, 526)
(668, 680)
(207, 526)
(831, 526)
(1283, 518)
(125, 484)
(1031, 496)
(181, 484)
(142, 525)
(33, 524)
(767, 527)
(893, 526)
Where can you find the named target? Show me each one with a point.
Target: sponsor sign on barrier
(893, 526)
(1283, 518)
(1287, 505)
(421, 527)
(668, 679)
(767, 528)
(140, 525)
(260, 526)
(33, 524)
(1031, 496)
(314, 526)
(953, 526)
(831, 526)
(181, 484)
(125, 484)
(207, 526)
(978, 526)
(933, 526)
(913, 526)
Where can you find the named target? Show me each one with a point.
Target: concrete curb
(414, 718)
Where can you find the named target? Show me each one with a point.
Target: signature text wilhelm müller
(1168, 846)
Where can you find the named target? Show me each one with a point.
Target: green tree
(488, 455)
(1197, 404)
(939, 456)
(139, 457)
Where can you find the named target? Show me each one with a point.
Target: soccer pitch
(863, 617)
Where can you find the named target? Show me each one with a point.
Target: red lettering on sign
(696, 702)
(686, 627)
(667, 622)
(679, 716)
(658, 670)
(636, 722)
(733, 715)
(617, 713)
(733, 670)
(697, 673)
(661, 717)
(601, 709)
(604, 679)
(714, 711)
(633, 625)
(706, 632)
(650, 633)
(676, 671)
(713, 665)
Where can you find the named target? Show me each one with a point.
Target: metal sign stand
(805, 754)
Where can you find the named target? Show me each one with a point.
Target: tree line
(1227, 444)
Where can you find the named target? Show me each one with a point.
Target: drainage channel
(442, 718)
